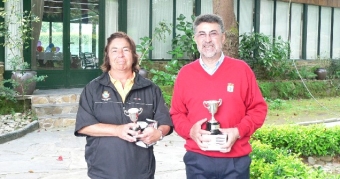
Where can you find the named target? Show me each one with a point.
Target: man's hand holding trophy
(216, 141)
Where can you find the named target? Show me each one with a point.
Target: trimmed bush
(312, 140)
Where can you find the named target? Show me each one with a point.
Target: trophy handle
(126, 112)
(140, 110)
(219, 102)
(205, 104)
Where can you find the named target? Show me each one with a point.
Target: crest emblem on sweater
(106, 96)
(230, 87)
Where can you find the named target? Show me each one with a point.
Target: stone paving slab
(36, 154)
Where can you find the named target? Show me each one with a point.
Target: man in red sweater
(243, 110)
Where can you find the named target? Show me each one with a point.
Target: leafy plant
(276, 104)
(16, 41)
(271, 162)
(183, 45)
(333, 70)
(268, 57)
(146, 42)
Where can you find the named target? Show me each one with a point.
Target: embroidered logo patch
(106, 96)
(230, 87)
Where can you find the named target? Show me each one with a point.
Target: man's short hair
(210, 18)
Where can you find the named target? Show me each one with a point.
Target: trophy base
(215, 132)
(216, 142)
(213, 127)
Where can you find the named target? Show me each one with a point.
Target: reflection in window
(84, 20)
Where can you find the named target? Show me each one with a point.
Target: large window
(312, 35)
(282, 20)
(266, 15)
(138, 13)
(296, 31)
(246, 16)
(162, 11)
(336, 34)
(111, 17)
(325, 32)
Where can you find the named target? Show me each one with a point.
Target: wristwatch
(161, 134)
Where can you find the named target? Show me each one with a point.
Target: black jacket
(112, 157)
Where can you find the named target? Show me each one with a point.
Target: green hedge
(311, 140)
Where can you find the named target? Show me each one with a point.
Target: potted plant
(321, 68)
(16, 30)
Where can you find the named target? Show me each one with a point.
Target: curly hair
(106, 62)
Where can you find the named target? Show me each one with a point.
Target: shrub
(270, 162)
(268, 57)
(312, 140)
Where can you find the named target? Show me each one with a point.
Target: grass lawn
(293, 111)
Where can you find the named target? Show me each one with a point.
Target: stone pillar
(2, 70)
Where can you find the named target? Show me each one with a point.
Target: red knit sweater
(242, 106)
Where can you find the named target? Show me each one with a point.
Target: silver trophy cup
(133, 114)
(213, 125)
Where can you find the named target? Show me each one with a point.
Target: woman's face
(120, 55)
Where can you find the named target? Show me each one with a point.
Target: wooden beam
(326, 3)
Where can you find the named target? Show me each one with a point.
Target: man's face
(209, 40)
(120, 55)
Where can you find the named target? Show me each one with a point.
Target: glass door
(67, 44)
(84, 25)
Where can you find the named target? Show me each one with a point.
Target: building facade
(69, 41)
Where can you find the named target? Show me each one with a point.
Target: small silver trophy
(133, 114)
(213, 125)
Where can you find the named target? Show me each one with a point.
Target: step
(55, 109)
(55, 121)
(55, 99)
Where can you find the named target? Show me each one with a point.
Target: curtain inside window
(266, 17)
(336, 34)
(111, 20)
(282, 20)
(296, 31)
(312, 28)
(185, 7)
(246, 16)
(138, 20)
(325, 32)
(206, 7)
(162, 11)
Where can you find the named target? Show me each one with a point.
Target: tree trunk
(225, 9)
